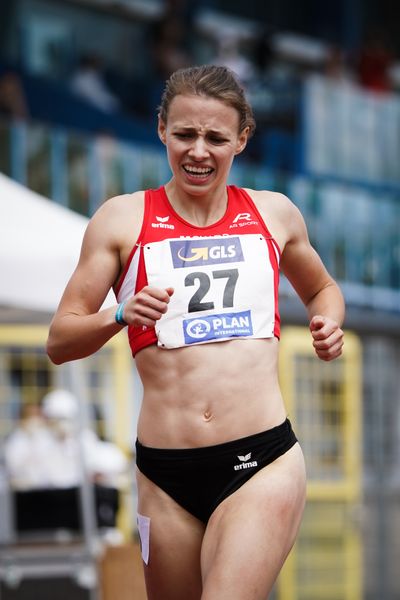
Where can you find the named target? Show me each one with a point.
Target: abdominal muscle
(208, 394)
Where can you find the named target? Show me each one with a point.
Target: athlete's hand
(147, 306)
(327, 337)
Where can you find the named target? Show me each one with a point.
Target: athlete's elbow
(56, 348)
(54, 352)
(56, 361)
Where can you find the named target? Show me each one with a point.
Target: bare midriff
(208, 394)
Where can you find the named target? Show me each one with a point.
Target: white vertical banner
(351, 133)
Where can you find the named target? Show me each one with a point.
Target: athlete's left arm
(316, 288)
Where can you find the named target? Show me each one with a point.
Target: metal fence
(68, 552)
(324, 402)
(355, 229)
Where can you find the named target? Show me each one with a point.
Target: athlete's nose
(198, 149)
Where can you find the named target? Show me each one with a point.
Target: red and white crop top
(225, 276)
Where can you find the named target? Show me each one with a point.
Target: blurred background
(80, 81)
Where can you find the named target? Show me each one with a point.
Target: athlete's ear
(162, 130)
(242, 140)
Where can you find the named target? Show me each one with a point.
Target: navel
(207, 415)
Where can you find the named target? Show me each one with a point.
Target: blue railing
(355, 228)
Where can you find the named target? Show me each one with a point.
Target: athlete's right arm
(79, 328)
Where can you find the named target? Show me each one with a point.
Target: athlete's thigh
(172, 571)
(252, 531)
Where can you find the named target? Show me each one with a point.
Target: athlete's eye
(183, 136)
(217, 140)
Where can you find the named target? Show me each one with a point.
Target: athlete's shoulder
(282, 216)
(270, 200)
(120, 207)
(116, 215)
(124, 201)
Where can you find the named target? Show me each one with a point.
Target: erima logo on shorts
(246, 462)
(191, 253)
(220, 326)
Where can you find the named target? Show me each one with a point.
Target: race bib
(224, 288)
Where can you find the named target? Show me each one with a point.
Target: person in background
(49, 449)
(103, 461)
(26, 449)
(228, 54)
(89, 83)
(336, 67)
(374, 62)
(195, 269)
(13, 102)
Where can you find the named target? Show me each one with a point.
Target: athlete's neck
(201, 210)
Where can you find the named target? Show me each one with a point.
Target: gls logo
(191, 253)
(213, 252)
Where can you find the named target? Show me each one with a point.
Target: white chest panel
(224, 288)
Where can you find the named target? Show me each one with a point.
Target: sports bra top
(225, 276)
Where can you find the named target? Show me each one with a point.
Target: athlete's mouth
(197, 171)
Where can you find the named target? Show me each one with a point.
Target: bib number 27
(203, 282)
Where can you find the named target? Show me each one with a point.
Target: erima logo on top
(162, 223)
(189, 253)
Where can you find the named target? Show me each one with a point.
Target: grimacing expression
(202, 138)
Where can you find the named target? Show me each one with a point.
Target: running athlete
(195, 268)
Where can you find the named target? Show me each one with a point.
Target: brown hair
(213, 81)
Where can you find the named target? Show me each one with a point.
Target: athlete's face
(202, 138)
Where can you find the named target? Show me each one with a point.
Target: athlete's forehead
(202, 112)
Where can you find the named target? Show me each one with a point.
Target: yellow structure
(103, 382)
(324, 404)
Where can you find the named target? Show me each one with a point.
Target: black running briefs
(201, 478)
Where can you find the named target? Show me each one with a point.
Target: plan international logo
(195, 253)
(217, 327)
